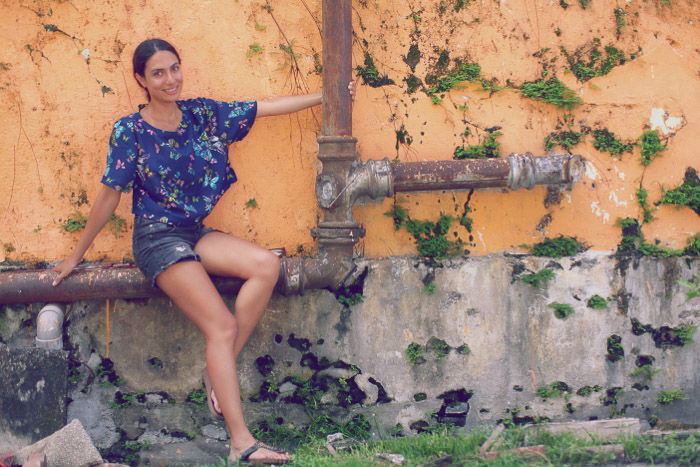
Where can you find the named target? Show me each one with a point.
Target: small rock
(334, 437)
(214, 432)
(337, 442)
(287, 389)
(396, 459)
(155, 398)
(157, 437)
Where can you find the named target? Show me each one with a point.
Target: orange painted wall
(58, 108)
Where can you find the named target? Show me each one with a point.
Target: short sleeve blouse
(178, 176)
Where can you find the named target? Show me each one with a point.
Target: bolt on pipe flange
(327, 190)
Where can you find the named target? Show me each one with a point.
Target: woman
(174, 154)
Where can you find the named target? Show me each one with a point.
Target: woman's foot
(260, 453)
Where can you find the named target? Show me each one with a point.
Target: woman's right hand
(64, 268)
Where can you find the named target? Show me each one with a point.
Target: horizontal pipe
(450, 174)
(125, 281)
(514, 172)
(92, 282)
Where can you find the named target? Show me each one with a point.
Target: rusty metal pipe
(98, 282)
(515, 172)
(450, 174)
(337, 67)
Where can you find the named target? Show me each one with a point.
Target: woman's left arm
(287, 104)
(290, 104)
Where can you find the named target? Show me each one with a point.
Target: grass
(443, 446)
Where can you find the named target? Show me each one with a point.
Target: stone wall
(483, 345)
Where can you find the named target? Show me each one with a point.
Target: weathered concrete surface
(32, 395)
(355, 356)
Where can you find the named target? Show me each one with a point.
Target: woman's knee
(269, 266)
(225, 328)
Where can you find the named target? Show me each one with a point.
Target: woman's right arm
(104, 206)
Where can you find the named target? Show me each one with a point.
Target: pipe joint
(561, 170)
(370, 180)
(323, 272)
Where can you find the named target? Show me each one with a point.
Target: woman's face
(162, 76)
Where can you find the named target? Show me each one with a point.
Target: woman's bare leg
(224, 255)
(189, 286)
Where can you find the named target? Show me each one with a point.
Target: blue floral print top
(178, 176)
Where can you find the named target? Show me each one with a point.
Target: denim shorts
(158, 245)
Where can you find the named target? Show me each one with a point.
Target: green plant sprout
(430, 237)
(251, 203)
(647, 211)
(561, 310)
(645, 373)
(538, 279)
(606, 141)
(597, 302)
(351, 300)
(666, 397)
(693, 286)
(553, 390)
(443, 84)
(557, 247)
(686, 194)
(253, 50)
(487, 149)
(117, 225)
(74, 222)
(563, 139)
(551, 91)
(415, 354)
(597, 64)
(586, 391)
(651, 146)
(370, 75)
(615, 350)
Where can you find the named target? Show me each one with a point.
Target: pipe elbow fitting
(49, 327)
(372, 179)
(324, 272)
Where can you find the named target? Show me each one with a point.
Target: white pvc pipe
(49, 327)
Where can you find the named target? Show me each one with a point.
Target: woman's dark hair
(145, 50)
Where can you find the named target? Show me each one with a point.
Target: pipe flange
(522, 171)
(293, 272)
(380, 180)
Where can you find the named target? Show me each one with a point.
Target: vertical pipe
(337, 67)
